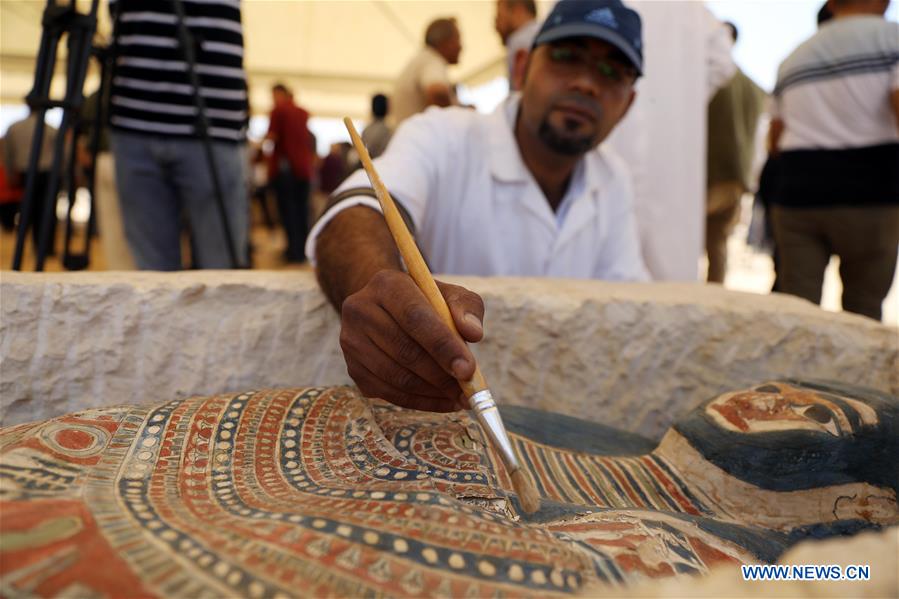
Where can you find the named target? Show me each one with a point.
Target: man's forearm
(354, 246)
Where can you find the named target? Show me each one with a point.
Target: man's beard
(562, 143)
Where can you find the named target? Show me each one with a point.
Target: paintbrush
(479, 397)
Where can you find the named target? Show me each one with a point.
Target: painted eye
(768, 389)
(818, 413)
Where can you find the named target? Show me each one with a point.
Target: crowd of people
(527, 190)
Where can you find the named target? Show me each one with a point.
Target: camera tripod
(57, 20)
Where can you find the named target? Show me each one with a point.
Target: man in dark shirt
(291, 168)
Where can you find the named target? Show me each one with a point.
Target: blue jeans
(161, 180)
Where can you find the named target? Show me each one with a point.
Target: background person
(377, 133)
(517, 26)
(162, 172)
(733, 117)
(16, 151)
(836, 128)
(291, 168)
(425, 79)
(10, 194)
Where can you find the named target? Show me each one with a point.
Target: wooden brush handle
(415, 264)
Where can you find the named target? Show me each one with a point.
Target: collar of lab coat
(507, 165)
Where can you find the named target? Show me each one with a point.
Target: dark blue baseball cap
(606, 20)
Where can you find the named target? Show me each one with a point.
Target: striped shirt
(840, 145)
(151, 90)
(833, 91)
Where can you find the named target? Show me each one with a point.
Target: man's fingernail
(458, 367)
(473, 321)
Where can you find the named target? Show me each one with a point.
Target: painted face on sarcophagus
(828, 443)
(773, 408)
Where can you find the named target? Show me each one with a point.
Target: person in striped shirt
(835, 130)
(161, 167)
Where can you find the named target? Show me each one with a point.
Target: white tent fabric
(336, 53)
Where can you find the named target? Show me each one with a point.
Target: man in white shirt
(836, 130)
(517, 25)
(524, 191)
(425, 79)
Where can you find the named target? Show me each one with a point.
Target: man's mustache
(581, 103)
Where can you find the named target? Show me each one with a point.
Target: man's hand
(395, 345)
(397, 348)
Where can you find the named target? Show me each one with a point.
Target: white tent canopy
(334, 53)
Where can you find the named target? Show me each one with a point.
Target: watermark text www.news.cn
(805, 572)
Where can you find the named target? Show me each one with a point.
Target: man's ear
(630, 102)
(519, 69)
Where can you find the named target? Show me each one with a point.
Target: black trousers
(293, 205)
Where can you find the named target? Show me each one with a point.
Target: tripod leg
(70, 188)
(81, 31)
(49, 201)
(87, 49)
(99, 125)
(37, 99)
(203, 129)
